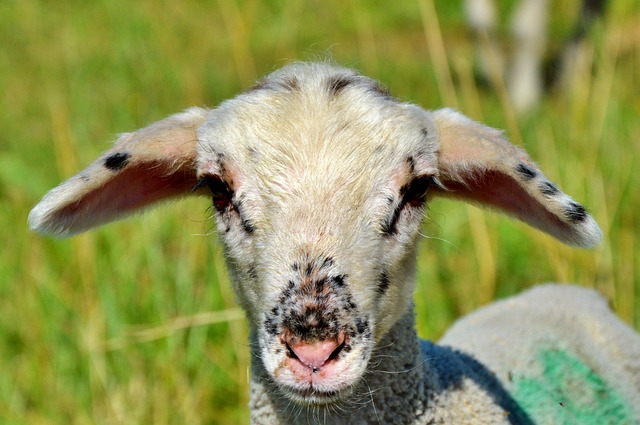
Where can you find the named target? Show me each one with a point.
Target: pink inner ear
(132, 189)
(495, 189)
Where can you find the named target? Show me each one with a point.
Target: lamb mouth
(313, 396)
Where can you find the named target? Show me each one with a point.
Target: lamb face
(319, 181)
(319, 201)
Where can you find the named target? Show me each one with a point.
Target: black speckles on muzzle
(315, 306)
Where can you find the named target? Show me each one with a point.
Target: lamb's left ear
(149, 165)
(478, 165)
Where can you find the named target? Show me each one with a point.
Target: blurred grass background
(135, 323)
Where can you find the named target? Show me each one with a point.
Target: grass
(136, 322)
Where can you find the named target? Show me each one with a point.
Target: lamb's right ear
(477, 164)
(149, 165)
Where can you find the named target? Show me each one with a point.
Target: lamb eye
(221, 193)
(415, 193)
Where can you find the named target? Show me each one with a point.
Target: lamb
(319, 180)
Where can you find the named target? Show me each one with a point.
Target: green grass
(120, 325)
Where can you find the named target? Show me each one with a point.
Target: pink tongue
(315, 354)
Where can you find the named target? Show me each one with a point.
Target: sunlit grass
(136, 322)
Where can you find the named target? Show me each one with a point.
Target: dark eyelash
(221, 193)
(414, 195)
(223, 200)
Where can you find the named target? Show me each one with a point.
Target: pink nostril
(316, 354)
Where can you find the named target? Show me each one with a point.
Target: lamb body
(319, 181)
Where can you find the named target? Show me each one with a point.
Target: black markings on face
(310, 309)
(339, 280)
(382, 283)
(270, 326)
(117, 161)
(412, 165)
(338, 83)
(252, 272)
(549, 189)
(361, 326)
(248, 226)
(389, 227)
(576, 213)
(225, 202)
(526, 172)
(328, 262)
(413, 194)
(316, 305)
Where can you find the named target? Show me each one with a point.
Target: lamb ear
(478, 165)
(149, 165)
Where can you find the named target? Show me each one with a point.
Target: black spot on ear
(382, 283)
(549, 189)
(117, 161)
(309, 269)
(338, 83)
(576, 213)
(526, 172)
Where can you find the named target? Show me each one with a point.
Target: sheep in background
(523, 68)
(319, 180)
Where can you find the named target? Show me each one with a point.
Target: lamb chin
(314, 397)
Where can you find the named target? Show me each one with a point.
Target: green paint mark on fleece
(569, 393)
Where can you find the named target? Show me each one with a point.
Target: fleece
(555, 354)
(560, 352)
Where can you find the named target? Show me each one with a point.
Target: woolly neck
(408, 381)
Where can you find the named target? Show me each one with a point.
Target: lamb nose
(316, 354)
